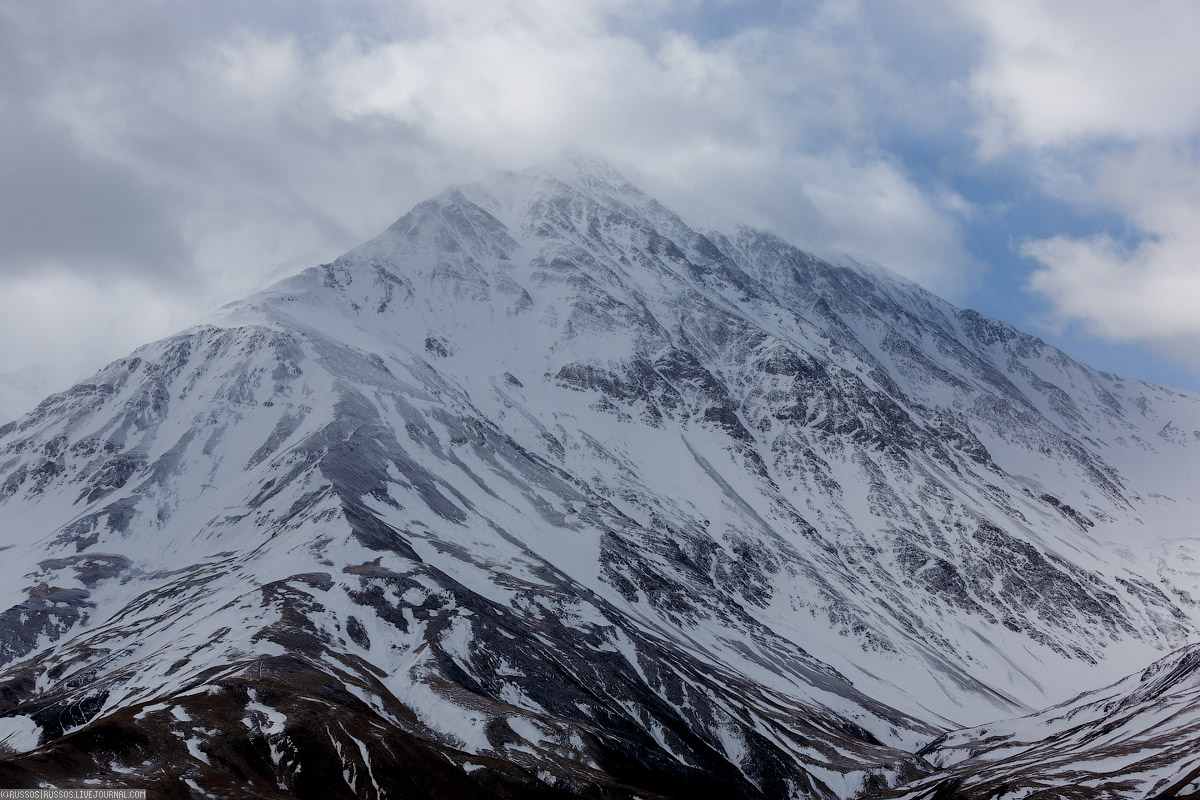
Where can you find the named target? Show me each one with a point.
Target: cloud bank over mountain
(163, 160)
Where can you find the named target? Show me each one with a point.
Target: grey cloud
(202, 147)
(65, 210)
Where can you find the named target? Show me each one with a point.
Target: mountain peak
(583, 169)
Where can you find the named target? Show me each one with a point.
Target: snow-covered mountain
(1136, 738)
(543, 492)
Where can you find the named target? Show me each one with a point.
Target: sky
(1038, 160)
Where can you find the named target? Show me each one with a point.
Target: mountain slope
(1136, 738)
(550, 490)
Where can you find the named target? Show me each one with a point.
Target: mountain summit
(544, 493)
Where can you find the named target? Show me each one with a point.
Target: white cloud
(1055, 72)
(196, 154)
(278, 137)
(1147, 289)
(1099, 100)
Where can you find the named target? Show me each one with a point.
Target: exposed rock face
(544, 493)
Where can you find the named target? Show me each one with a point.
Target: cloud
(1144, 286)
(1097, 101)
(1064, 71)
(833, 203)
(196, 150)
(74, 212)
(83, 321)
